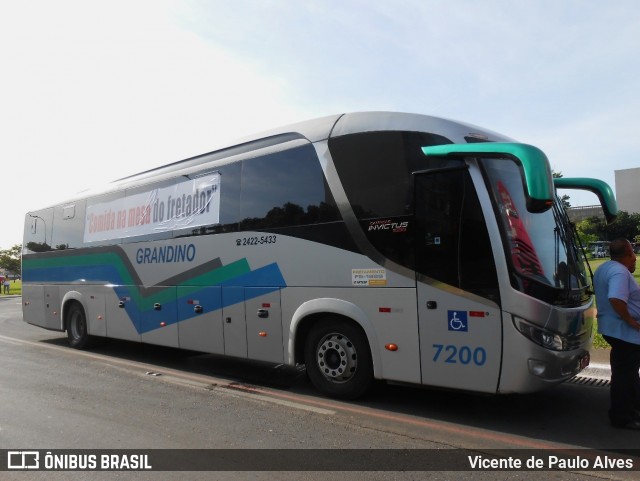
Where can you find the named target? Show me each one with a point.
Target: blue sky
(93, 91)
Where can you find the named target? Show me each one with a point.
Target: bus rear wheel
(77, 332)
(338, 359)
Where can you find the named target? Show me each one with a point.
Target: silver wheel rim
(337, 358)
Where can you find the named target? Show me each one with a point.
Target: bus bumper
(534, 368)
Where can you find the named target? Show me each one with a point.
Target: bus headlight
(541, 336)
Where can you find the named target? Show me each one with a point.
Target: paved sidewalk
(9, 296)
(599, 366)
(600, 356)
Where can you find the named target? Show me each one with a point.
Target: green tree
(626, 225)
(10, 259)
(563, 198)
(592, 228)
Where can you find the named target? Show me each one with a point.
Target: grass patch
(598, 340)
(14, 289)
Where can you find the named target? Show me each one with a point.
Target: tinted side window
(283, 189)
(375, 169)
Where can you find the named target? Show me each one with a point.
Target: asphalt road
(123, 395)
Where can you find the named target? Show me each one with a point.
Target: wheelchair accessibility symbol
(458, 321)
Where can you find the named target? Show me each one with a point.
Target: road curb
(597, 370)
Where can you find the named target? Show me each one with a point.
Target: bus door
(458, 304)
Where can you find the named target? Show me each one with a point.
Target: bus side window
(37, 231)
(452, 242)
(285, 189)
(68, 231)
(229, 202)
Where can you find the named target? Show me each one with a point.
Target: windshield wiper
(565, 234)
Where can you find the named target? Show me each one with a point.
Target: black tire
(338, 359)
(77, 332)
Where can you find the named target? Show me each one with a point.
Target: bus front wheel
(338, 359)
(77, 331)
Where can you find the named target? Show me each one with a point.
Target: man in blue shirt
(618, 301)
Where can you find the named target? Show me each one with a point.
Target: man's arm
(621, 309)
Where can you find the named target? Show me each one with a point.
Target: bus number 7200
(452, 354)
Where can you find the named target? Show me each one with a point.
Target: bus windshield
(541, 248)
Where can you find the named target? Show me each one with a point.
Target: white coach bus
(365, 246)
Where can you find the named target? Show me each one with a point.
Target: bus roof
(313, 130)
